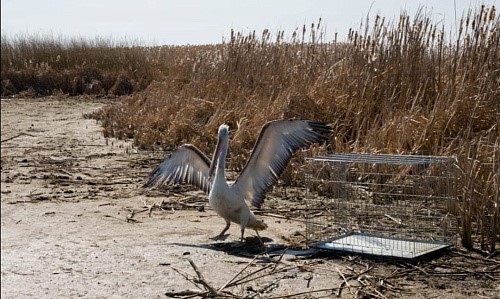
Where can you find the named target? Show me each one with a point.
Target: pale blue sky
(156, 22)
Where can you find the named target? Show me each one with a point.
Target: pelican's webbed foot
(222, 236)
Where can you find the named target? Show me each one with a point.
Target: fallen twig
(378, 295)
(393, 219)
(345, 282)
(201, 279)
(18, 135)
(237, 274)
(493, 254)
(130, 216)
(158, 205)
(279, 259)
(32, 193)
(125, 220)
(188, 293)
(418, 268)
(150, 207)
(183, 274)
(487, 259)
(462, 271)
(245, 280)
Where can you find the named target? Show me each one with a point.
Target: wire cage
(392, 206)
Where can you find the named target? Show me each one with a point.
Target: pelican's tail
(257, 225)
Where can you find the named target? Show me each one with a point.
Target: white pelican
(277, 142)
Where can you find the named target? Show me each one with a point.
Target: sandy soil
(74, 223)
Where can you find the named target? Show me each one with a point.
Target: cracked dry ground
(74, 223)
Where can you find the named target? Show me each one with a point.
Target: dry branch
(16, 136)
(237, 274)
(342, 283)
(187, 294)
(127, 220)
(202, 280)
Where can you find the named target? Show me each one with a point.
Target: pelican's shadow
(249, 248)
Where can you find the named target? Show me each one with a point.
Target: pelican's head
(222, 143)
(223, 131)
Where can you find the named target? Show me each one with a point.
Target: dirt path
(67, 193)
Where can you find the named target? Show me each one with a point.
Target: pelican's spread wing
(185, 165)
(274, 148)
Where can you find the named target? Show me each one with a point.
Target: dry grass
(45, 65)
(402, 87)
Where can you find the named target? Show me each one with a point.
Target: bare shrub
(8, 89)
(123, 85)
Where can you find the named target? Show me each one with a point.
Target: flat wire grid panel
(380, 246)
(394, 197)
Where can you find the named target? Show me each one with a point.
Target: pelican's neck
(220, 171)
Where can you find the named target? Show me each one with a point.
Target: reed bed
(390, 87)
(42, 65)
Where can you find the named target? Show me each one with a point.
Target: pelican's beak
(218, 151)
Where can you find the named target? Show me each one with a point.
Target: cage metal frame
(396, 206)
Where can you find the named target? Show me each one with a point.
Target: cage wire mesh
(395, 206)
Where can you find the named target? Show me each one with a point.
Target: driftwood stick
(201, 279)
(373, 294)
(345, 280)
(420, 269)
(237, 274)
(242, 280)
(187, 294)
(393, 219)
(486, 259)
(399, 273)
(279, 259)
(125, 220)
(18, 135)
(493, 254)
(380, 294)
(186, 276)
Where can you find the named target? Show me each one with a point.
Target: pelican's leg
(242, 233)
(262, 243)
(243, 225)
(221, 235)
(258, 236)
